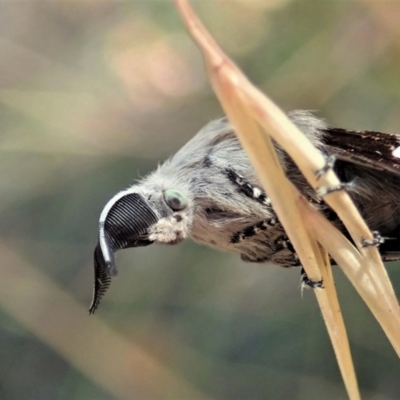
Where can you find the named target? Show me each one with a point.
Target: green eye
(175, 199)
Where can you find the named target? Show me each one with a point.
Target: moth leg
(284, 243)
(282, 254)
(329, 164)
(253, 230)
(285, 252)
(306, 282)
(247, 188)
(375, 241)
(323, 191)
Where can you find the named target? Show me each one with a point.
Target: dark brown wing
(375, 150)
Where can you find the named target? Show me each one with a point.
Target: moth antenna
(324, 191)
(306, 282)
(375, 241)
(102, 281)
(330, 162)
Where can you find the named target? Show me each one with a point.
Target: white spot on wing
(396, 152)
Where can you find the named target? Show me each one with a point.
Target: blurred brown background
(93, 94)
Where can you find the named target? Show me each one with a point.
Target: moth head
(137, 217)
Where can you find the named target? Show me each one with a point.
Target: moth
(209, 191)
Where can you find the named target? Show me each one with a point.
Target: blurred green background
(93, 94)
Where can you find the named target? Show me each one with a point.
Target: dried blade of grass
(282, 193)
(309, 160)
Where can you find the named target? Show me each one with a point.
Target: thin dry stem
(228, 82)
(285, 197)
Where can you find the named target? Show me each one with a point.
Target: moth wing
(375, 150)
